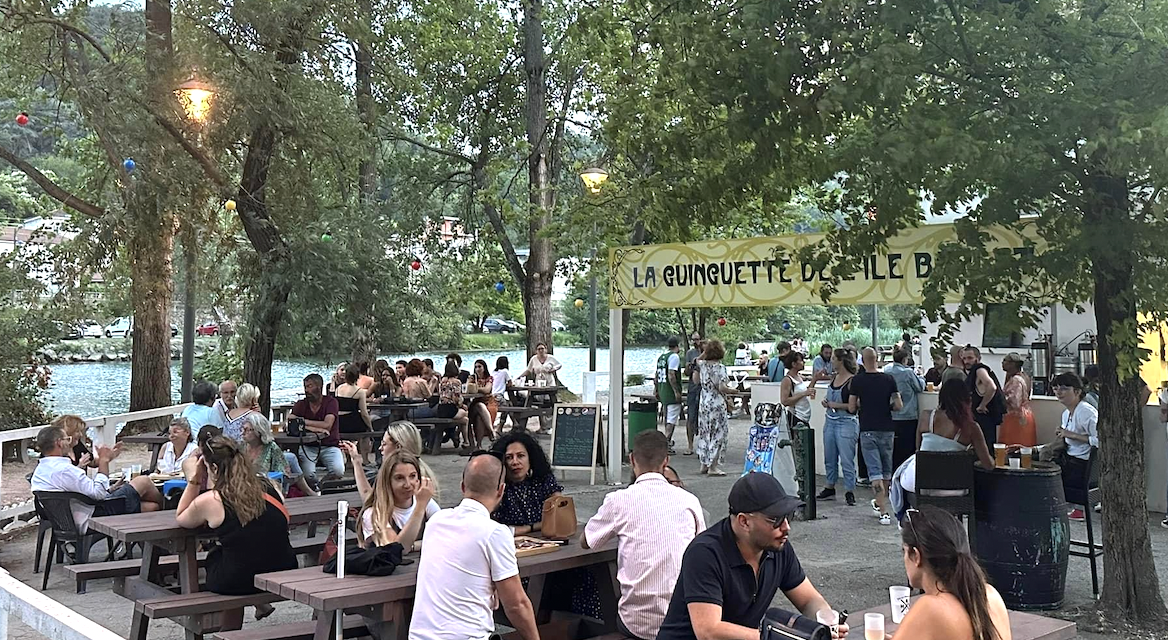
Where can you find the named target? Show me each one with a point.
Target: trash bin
(642, 417)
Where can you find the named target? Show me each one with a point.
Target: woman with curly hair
(530, 481)
(246, 514)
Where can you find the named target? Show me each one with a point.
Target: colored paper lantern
(22, 118)
(500, 287)
(721, 322)
(786, 326)
(326, 237)
(579, 303)
(847, 326)
(416, 264)
(129, 165)
(229, 205)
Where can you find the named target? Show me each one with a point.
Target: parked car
(173, 329)
(90, 329)
(68, 332)
(120, 328)
(558, 326)
(213, 329)
(495, 325)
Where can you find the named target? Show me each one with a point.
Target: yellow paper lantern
(579, 303)
(229, 205)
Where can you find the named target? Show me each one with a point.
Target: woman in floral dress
(713, 422)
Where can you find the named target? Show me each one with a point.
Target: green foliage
(223, 362)
(24, 329)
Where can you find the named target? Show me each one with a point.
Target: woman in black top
(246, 514)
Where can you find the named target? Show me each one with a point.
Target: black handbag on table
(779, 624)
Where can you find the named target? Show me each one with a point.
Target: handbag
(559, 518)
(780, 624)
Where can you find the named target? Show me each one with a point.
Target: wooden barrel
(1023, 535)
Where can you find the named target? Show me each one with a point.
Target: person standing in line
(821, 366)
(775, 369)
(668, 387)
(713, 421)
(1018, 426)
(989, 403)
(933, 376)
(654, 522)
(796, 392)
(878, 398)
(905, 419)
(956, 368)
(455, 598)
(841, 428)
(693, 390)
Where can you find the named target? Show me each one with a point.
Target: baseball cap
(761, 493)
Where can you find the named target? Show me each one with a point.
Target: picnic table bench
(1023, 626)
(432, 430)
(390, 598)
(353, 624)
(159, 533)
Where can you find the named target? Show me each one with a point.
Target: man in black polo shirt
(731, 571)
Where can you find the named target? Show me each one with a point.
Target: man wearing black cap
(731, 571)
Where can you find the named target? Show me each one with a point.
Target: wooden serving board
(545, 546)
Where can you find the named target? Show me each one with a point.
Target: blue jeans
(877, 449)
(839, 441)
(330, 457)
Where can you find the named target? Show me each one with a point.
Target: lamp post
(593, 179)
(195, 98)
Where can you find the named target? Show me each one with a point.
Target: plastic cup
(1027, 457)
(126, 473)
(1000, 455)
(1015, 463)
(541, 383)
(898, 597)
(873, 626)
(930, 387)
(136, 469)
(829, 617)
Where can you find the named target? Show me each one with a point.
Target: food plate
(528, 546)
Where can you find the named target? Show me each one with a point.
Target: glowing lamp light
(593, 179)
(579, 303)
(195, 98)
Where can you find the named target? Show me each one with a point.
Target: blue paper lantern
(499, 286)
(129, 165)
(786, 326)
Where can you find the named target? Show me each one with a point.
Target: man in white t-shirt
(654, 522)
(477, 560)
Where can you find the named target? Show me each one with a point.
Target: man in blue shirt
(904, 420)
(203, 411)
(775, 368)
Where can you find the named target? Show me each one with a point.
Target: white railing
(46, 616)
(104, 428)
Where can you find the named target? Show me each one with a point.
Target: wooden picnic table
(1023, 626)
(390, 598)
(159, 533)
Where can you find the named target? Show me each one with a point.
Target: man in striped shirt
(654, 522)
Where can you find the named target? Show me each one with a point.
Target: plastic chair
(945, 480)
(56, 506)
(1084, 491)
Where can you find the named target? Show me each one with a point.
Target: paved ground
(846, 553)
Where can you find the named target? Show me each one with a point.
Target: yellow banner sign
(762, 272)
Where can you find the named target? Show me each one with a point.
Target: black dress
(243, 551)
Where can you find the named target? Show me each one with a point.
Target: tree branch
(198, 154)
(54, 190)
(76, 30)
(422, 145)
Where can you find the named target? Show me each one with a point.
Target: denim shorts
(123, 500)
(877, 449)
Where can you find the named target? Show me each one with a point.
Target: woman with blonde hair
(397, 507)
(245, 513)
(81, 449)
(247, 402)
(402, 435)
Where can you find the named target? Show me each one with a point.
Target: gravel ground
(847, 554)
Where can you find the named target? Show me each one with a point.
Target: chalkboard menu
(575, 436)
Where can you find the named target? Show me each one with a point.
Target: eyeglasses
(775, 522)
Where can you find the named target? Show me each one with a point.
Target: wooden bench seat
(354, 628)
(432, 430)
(520, 415)
(199, 603)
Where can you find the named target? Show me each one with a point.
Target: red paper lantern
(721, 322)
(415, 265)
(22, 118)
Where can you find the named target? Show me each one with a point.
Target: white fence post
(45, 615)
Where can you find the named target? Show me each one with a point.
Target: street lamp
(593, 179)
(195, 98)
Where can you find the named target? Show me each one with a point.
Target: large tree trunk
(151, 250)
(363, 341)
(541, 260)
(1131, 589)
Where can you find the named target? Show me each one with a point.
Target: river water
(97, 389)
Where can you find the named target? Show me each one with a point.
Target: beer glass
(873, 626)
(1027, 457)
(999, 455)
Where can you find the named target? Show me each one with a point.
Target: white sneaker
(885, 519)
(875, 508)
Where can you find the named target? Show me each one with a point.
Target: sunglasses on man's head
(485, 452)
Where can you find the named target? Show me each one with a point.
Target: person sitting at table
(542, 366)
(948, 427)
(56, 472)
(80, 447)
(654, 523)
(267, 457)
(399, 436)
(364, 380)
(457, 360)
(674, 478)
(386, 384)
(1077, 435)
(732, 571)
(247, 402)
(399, 368)
(457, 589)
(484, 409)
(202, 411)
(450, 404)
(352, 389)
(226, 401)
(390, 512)
(337, 380)
(430, 375)
(958, 603)
(191, 465)
(244, 512)
(320, 417)
(180, 447)
(415, 388)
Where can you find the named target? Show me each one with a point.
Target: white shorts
(672, 413)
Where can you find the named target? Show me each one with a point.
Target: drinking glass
(898, 597)
(1015, 463)
(1027, 457)
(873, 626)
(999, 455)
(136, 469)
(829, 617)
